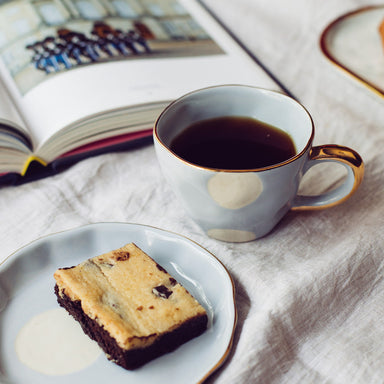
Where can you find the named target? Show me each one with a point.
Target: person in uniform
(57, 52)
(139, 39)
(128, 41)
(38, 59)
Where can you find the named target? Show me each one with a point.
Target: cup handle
(335, 153)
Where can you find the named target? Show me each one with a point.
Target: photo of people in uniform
(69, 48)
(43, 38)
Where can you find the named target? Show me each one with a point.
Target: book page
(9, 116)
(164, 50)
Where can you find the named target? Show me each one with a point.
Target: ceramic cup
(245, 204)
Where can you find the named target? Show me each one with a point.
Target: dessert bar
(130, 305)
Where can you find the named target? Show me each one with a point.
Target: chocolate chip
(121, 255)
(160, 268)
(172, 281)
(140, 308)
(162, 291)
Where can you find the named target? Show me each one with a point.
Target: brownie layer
(133, 358)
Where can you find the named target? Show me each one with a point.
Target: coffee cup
(238, 201)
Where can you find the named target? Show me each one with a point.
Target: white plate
(26, 289)
(352, 42)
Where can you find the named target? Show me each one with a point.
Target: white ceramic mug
(243, 205)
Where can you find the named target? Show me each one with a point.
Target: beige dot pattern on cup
(235, 190)
(231, 235)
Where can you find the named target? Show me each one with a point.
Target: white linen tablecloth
(310, 296)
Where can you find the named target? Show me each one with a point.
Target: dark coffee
(233, 142)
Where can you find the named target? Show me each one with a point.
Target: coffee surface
(233, 142)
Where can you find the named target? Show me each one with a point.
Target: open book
(78, 78)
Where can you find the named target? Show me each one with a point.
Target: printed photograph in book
(40, 39)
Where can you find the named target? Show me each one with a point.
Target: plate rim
(228, 349)
(323, 47)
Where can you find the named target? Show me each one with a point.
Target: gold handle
(355, 166)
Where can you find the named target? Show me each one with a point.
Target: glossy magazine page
(75, 62)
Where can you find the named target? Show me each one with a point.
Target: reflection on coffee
(233, 142)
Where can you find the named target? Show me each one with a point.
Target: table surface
(308, 295)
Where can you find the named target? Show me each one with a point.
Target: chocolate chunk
(172, 281)
(162, 291)
(160, 268)
(121, 255)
